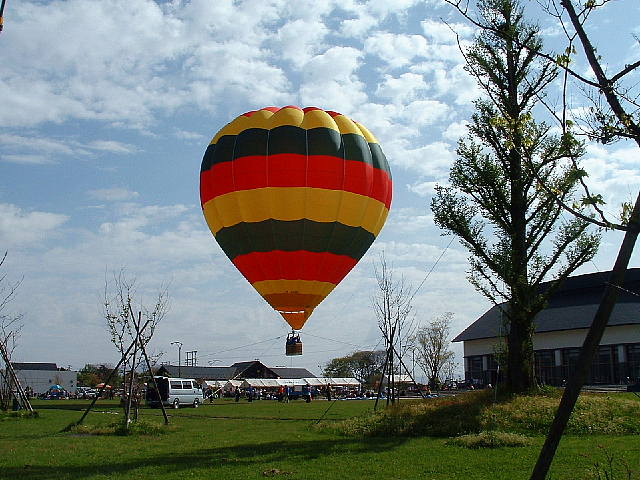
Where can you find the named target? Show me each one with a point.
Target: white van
(175, 392)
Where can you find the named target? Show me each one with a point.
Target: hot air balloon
(295, 197)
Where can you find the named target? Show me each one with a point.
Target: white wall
(562, 339)
(41, 380)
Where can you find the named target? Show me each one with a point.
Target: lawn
(229, 440)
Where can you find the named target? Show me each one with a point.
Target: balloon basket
(294, 345)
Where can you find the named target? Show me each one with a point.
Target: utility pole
(179, 357)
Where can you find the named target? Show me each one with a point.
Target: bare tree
(10, 326)
(125, 315)
(432, 349)
(392, 307)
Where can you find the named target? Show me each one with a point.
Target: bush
(118, 428)
(476, 412)
(438, 417)
(16, 415)
(491, 439)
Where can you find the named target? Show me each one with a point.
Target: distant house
(560, 330)
(237, 371)
(39, 376)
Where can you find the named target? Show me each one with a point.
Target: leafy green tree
(365, 366)
(338, 367)
(91, 375)
(513, 229)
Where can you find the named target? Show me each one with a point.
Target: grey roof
(572, 307)
(207, 373)
(286, 372)
(34, 366)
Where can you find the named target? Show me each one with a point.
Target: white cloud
(329, 80)
(449, 80)
(299, 40)
(425, 112)
(431, 160)
(116, 194)
(441, 33)
(366, 16)
(36, 143)
(26, 159)
(19, 228)
(396, 50)
(456, 130)
(401, 89)
(424, 189)
(39, 151)
(111, 146)
(116, 60)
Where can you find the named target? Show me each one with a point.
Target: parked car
(175, 392)
(85, 392)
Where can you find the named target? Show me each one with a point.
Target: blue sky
(107, 108)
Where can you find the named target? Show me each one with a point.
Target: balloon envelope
(295, 197)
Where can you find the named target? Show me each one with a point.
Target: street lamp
(179, 357)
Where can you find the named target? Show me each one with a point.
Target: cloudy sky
(107, 107)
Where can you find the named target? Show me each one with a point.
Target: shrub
(118, 428)
(476, 412)
(490, 439)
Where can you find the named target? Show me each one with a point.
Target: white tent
(336, 382)
(261, 383)
(231, 384)
(214, 383)
(292, 382)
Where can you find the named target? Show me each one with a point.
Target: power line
(241, 346)
(432, 268)
(334, 340)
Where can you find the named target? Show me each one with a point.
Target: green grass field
(229, 440)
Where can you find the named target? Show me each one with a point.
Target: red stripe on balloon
(294, 170)
(298, 265)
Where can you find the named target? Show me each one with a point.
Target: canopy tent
(334, 382)
(292, 382)
(231, 384)
(261, 383)
(214, 383)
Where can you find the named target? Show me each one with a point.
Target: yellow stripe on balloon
(295, 203)
(306, 287)
(366, 133)
(318, 119)
(285, 116)
(267, 120)
(346, 125)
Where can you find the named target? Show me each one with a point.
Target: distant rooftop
(34, 366)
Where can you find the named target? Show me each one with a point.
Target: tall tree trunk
(520, 377)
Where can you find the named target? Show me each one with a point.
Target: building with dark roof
(560, 330)
(40, 376)
(237, 371)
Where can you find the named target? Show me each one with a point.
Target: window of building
(545, 367)
(633, 362)
(602, 366)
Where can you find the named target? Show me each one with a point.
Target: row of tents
(228, 385)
